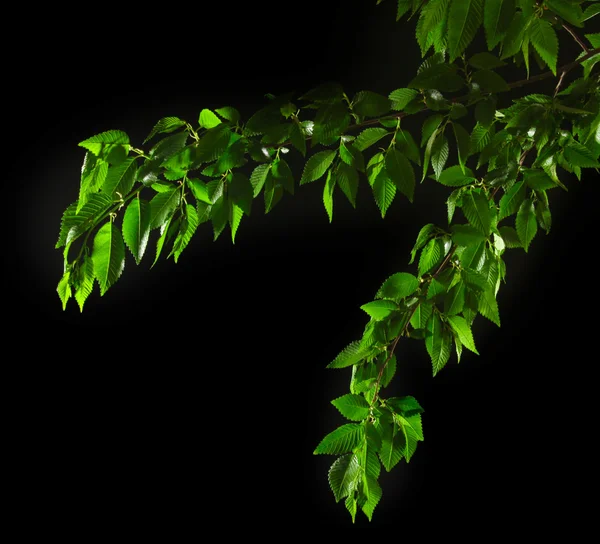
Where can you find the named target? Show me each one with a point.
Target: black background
(193, 394)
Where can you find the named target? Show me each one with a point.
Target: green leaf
(406, 406)
(466, 235)
(438, 343)
(213, 144)
(590, 11)
(120, 179)
(162, 207)
(579, 155)
(75, 223)
(504, 175)
(370, 104)
(454, 301)
(442, 77)
(465, 19)
(273, 193)
(283, 174)
(371, 498)
(400, 98)
(567, 10)
(526, 223)
(352, 407)
(392, 447)
(229, 113)
(431, 255)
(219, 216)
(398, 286)
(481, 136)
(93, 176)
(489, 81)
(538, 180)
(429, 127)
(85, 281)
(543, 38)
(510, 237)
(108, 256)
(235, 217)
(169, 146)
(298, 138)
(389, 371)
(485, 60)
(164, 125)
(440, 152)
(455, 176)
(344, 439)
(485, 111)
(351, 156)
(462, 144)
(317, 165)
(369, 136)
(497, 15)
(422, 238)
(136, 227)
(476, 208)
(488, 306)
(379, 309)
(343, 475)
(401, 172)
(346, 178)
(259, 177)
(384, 191)
(328, 195)
(406, 144)
(102, 144)
(208, 119)
(241, 192)
(463, 331)
(352, 354)
(512, 199)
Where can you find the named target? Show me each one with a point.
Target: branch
(575, 37)
(563, 69)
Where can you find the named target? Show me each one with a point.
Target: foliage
(501, 165)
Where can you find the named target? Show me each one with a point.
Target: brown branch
(564, 69)
(576, 37)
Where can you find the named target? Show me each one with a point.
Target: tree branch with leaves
(500, 164)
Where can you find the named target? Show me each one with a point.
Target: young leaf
(352, 354)
(162, 207)
(384, 191)
(422, 238)
(526, 223)
(347, 180)
(343, 474)
(438, 343)
(379, 309)
(328, 195)
(465, 19)
(476, 208)
(400, 98)
(371, 497)
(344, 439)
(369, 136)
(108, 256)
(351, 156)
(166, 124)
(488, 306)
(431, 255)
(352, 407)
(466, 235)
(497, 15)
(370, 104)
(543, 38)
(398, 286)
(463, 331)
(208, 119)
(401, 172)
(259, 177)
(511, 201)
(392, 447)
(317, 165)
(85, 281)
(74, 223)
(136, 227)
(456, 176)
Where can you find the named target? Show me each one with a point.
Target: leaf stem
(575, 37)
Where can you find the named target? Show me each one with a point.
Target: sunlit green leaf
(398, 286)
(136, 227)
(344, 439)
(438, 343)
(526, 223)
(465, 18)
(108, 256)
(543, 38)
(343, 475)
(350, 355)
(317, 165)
(379, 309)
(352, 407)
(401, 172)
